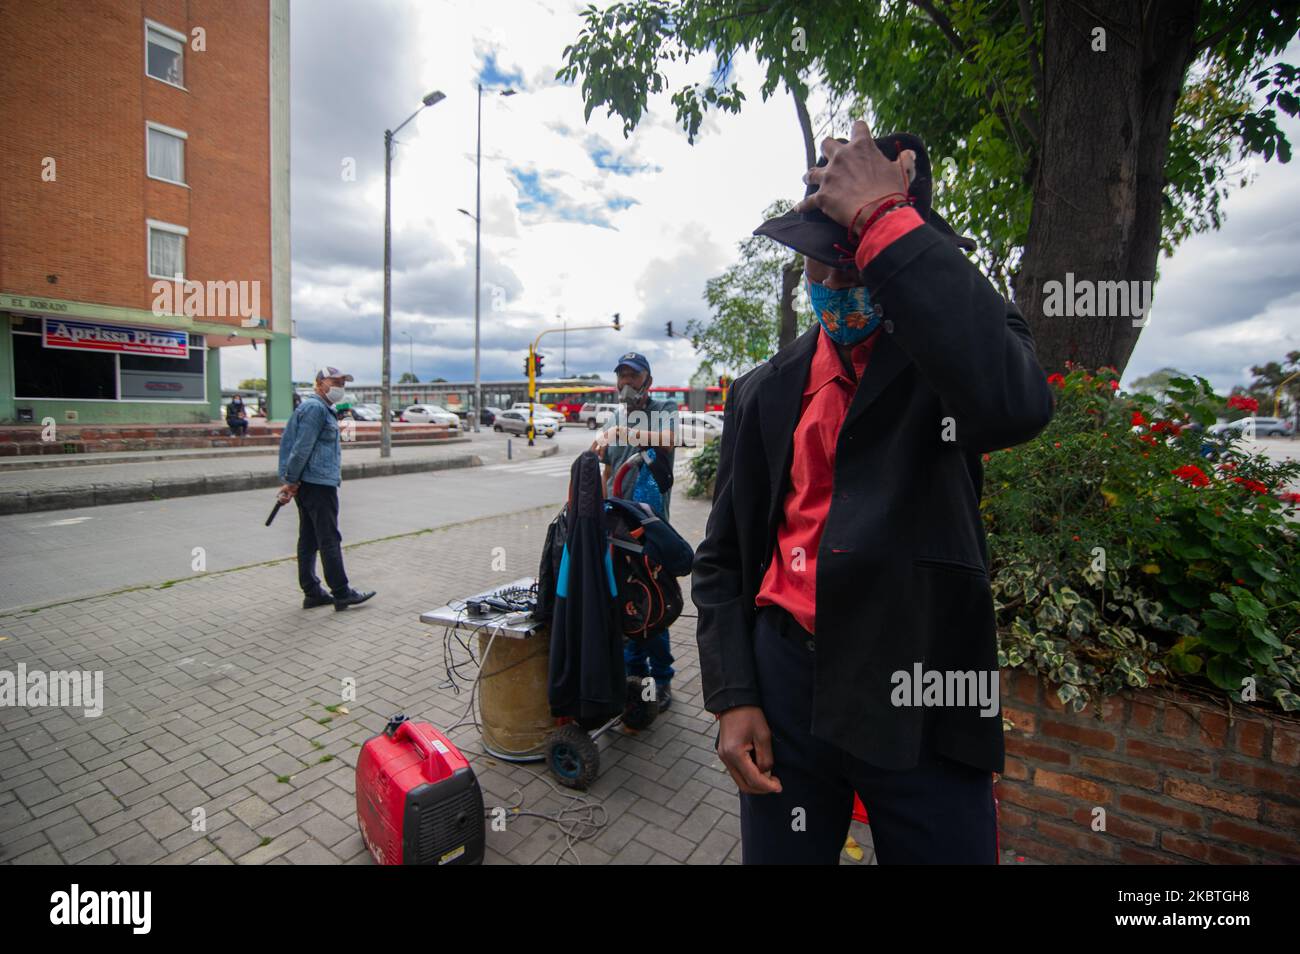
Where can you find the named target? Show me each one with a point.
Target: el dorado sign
(122, 339)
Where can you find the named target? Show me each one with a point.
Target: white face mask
(334, 395)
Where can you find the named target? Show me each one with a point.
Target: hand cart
(513, 717)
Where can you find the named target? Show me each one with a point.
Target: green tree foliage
(745, 307)
(1034, 122)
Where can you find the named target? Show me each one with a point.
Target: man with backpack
(638, 451)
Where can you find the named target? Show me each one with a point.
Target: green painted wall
(118, 412)
(279, 377)
(215, 409)
(7, 413)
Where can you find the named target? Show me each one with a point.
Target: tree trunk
(792, 273)
(1099, 184)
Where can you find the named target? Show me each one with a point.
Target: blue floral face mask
(845, 313)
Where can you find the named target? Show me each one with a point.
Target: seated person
(237, 417)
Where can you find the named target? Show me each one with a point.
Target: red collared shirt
(791, 577)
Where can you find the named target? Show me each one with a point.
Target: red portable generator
(418, 802)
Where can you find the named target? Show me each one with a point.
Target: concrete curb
(101, 494)
(10, 464)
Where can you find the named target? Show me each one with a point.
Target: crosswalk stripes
(544, 467)
(561, 466)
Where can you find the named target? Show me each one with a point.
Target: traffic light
(538, 361)
(670, 329)
(617, 326)
(525, 365)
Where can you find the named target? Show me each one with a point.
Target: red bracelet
(886, 208)
(854, 221)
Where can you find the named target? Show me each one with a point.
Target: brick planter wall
(1178, 781)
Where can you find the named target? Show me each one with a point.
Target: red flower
(1057, 444)
(1138, 419)
(1192, 474)
(1057, 379)
(1114, 385)
(1147, 437)
(1241, 402)
(1290, 498)
(1254, 485)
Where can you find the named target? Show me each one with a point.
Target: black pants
(940, 812)
(318, 531)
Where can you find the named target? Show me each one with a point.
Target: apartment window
(166, 250)
(166, 155)
(164, 54)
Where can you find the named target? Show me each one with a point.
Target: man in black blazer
(846, 627)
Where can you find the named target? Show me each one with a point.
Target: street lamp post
(386, 396)
(478, 246)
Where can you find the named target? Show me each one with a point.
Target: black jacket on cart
(902, 566)
(587, 681)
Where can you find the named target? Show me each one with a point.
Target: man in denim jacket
(311, 469)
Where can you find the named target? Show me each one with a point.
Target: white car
(515, 421)
(1264, 427)
(597, 415)
(699, 428)
(430, 414)
(540, 411)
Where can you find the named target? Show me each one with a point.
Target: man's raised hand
(857, 178)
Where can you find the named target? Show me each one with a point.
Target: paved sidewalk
(59, 488)
(215, 695)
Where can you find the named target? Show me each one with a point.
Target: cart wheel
(637, 713)
(572, 757)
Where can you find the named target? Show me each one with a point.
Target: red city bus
(569, 400)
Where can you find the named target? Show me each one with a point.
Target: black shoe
(665, 693)
(319, 599)
(353, 598)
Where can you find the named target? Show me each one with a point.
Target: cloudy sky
(580, 223)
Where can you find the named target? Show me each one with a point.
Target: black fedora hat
(819, 237)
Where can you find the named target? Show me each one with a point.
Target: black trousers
(318, 531)
(940, 812)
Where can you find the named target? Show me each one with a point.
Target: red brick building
(144, 194)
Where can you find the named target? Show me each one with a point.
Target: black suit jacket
(902, 568)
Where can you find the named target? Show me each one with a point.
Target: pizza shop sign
(121, 339)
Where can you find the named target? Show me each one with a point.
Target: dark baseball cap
(820, 237)
(633, 360)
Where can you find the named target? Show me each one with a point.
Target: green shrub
(704, 469)
(1129, 549)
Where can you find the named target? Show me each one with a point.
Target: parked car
(596, 415)
(697, 428)
(540, 411)
(515, 421)
(1264, 427)
(430, 414)
(368, 412)
(488, 416)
